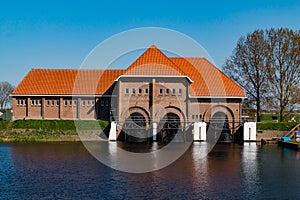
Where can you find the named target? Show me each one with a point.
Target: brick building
(152, 88)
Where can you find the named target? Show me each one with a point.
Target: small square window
(70, 103)
(52, 103)
(65, 102)
(196, 116)
(167, 91)
(127, 91)
(48, 103)
(146, 91)
(140, 91)
(160, 91)
(133, 90)
(93, 103)
(179, 91)
(83, 103)
(75, 102)
(32, 102)
(39, 102)
(57, 102)
(88, 103)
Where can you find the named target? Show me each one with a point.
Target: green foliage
(3, 125)
(62, 125)
(280, 126)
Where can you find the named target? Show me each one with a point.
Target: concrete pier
(113, 131)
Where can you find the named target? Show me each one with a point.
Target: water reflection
(250, 170)
(68, 171)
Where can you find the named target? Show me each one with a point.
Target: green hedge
(62, 125)
(3, 125)
(280, 126)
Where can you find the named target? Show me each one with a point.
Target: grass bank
(48, 130)
(278, 126)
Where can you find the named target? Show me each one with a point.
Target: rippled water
(68, 171)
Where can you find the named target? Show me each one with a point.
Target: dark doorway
(218, 129)
(168, 127)
(134, 129)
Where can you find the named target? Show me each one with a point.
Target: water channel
(229, 171)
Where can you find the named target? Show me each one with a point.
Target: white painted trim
(155, 76)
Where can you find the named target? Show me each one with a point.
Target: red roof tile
(154, 62)
(207, 79)
(67, 82)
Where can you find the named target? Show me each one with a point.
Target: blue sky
(56, 34)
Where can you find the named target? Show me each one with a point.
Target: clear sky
(60, 34)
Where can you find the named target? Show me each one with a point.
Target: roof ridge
(159, 52)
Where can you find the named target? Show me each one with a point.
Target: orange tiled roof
(153, 62)
(207, 79)
(67, 82)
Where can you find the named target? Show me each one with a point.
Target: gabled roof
(154, 62)
(208, 81)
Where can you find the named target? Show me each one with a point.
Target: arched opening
(168, 127)
(218, 128)
(134, 128)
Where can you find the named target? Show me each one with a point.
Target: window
(93, 103)
(70, 103)
(102, 103)
(52, 103)
(106, 103)
(48, 103)
(196, 116)
(75, 103)
(65, 103)
(146, 91)
(140, 91)
(160, 91)
(57, 103)
(193, 116)
(24, 102)
(127, 91)
(83, 103)
(32, 102)
(179, 91)
(88, 103)
(173, 91)
(133, 90)
(39, 102)
(167, 91)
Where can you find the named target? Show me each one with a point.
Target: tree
(247, 67)
(283, 68)
(5, 90)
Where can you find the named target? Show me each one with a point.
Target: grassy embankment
(66, 130)
(46, 130)
(268, 124)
